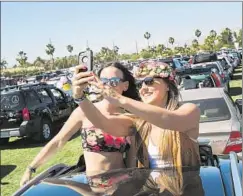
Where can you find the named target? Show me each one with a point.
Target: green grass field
(19, 153)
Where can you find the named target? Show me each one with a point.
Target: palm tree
(213, 36)
(22, 58)
(171, 40)
(195, 43)
(70, 49)
(213, 33)
(50, 49)
(115, 49)
(3, 64)
(147, 36)
(198, 33)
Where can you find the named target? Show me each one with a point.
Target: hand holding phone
(86, 58)
(81, 81)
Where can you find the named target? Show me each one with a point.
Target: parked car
(219, 69)
(237, 57)
(32, 110)
(217, 176)
(201, 78)
(227, 66)
(220, 119)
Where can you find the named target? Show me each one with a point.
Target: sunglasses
(148, 81)
(113, 82)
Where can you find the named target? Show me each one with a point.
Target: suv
(33, 110)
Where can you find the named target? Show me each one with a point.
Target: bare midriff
(100, 162)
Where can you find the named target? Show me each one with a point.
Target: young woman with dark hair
(102, 151)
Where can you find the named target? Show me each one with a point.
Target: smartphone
(86, 58)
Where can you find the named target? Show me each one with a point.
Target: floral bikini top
(95, 140)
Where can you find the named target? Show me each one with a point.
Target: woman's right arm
(72, 125)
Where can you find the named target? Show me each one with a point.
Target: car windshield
(234, 54)
(12, 100)
(214, 109)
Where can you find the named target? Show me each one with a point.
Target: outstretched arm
(117, 125)
(72, 125)
(183, 119)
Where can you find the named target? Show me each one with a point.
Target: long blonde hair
(169, 145)
(169, 139)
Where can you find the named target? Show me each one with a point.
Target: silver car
(220, 119)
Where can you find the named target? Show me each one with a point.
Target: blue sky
(28, 26)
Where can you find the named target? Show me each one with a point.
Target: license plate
(4, 134)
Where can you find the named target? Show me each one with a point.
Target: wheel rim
(46, 131)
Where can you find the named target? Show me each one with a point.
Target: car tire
(46, 131)
(4, 141)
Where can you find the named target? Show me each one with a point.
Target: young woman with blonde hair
(167, 131)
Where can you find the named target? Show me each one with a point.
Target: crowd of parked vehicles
(31, 109)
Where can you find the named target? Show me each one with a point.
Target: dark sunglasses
(113, 82)
(148, 81)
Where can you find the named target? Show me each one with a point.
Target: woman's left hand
(107, 92)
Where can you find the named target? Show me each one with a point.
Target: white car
(220, 119)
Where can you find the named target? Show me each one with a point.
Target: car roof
(202, 93)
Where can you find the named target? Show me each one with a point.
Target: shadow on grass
(237, 77)
(234, 91)
(6, 170)
(237, 71)
(21, 143)
(28, 143)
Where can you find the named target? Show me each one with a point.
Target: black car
(32, 110)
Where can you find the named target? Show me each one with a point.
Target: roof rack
(235, 173)
(24, 86)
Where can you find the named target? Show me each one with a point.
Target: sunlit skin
(96, 162)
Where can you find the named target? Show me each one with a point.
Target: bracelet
(32, 170)
(79, 100)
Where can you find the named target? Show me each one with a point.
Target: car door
(48, 102)
(61, 102)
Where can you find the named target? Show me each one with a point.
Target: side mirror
(238, 103)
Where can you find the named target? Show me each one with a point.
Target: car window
(12, 100)
(214, 109)
(177, 63)
(57, 94)
(31, 98)
(44, 96)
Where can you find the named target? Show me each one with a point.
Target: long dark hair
(132, 91)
